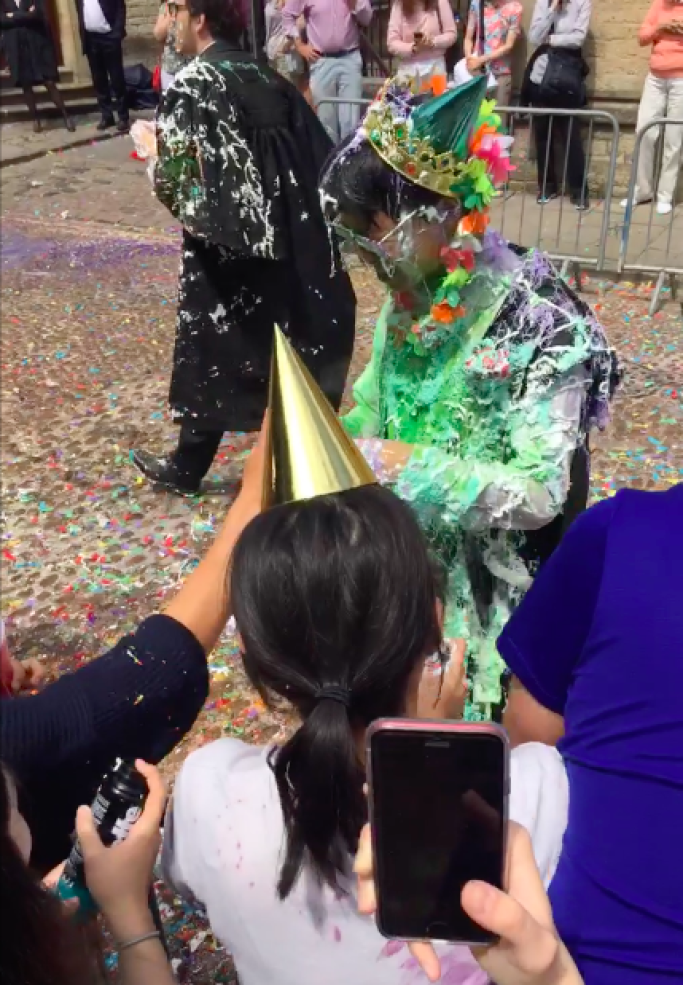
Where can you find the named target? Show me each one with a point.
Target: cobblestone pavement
(19, 143)
(89, 263)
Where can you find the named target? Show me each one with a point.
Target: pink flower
(494, 150)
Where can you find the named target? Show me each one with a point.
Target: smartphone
(438, 794)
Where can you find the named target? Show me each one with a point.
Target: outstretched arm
(140, 698)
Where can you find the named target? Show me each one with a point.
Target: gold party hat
(308, 452)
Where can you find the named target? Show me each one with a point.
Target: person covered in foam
(487, 372)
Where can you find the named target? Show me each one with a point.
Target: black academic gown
(240, 152)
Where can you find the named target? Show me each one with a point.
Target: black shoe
(105, 123)
(545, 197)
(162, 472)
(69, 124)
(123, 126)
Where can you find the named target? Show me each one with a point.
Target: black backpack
(564, 81)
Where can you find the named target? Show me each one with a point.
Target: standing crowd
(318, 45)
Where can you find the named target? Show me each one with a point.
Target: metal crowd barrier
(575, 240)
(543, 223)
(651, 254)
(338, 101)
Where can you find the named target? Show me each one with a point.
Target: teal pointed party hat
(426, 137)
(447, 121)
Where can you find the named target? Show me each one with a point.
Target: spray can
(117, 806)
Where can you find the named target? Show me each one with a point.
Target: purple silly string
(16, 248)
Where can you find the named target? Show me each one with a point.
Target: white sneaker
(664, 208)
(635, 203)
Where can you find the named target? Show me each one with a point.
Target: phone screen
(438, 817)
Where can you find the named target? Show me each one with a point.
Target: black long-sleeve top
(136, 701)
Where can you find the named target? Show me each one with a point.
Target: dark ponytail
(335, 602)
(320, 783)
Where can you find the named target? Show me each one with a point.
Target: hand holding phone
(438, 806)
(528, 952)
(421, 40)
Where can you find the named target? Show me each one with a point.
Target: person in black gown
(239, 154)
(30, 54)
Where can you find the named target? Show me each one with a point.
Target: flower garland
(488, 166)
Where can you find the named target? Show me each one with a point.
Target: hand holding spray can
(118, 804)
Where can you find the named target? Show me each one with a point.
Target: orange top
(666, 59)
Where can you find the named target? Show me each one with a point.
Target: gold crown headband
(428, 142)
(416, 159)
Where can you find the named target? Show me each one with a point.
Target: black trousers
(559, 151)
(195, 452)
(105, 58)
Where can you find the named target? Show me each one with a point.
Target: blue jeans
(342, 78)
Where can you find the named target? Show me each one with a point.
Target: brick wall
(139, 45)
(140, 18)
(619, 63)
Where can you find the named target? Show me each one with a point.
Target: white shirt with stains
(223, 848)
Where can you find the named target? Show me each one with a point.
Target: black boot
(69, 123)
(164, 472)
(105, 123)
(123, 126)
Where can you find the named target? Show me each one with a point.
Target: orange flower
(484, 130)
(474, 223)
(438, 84)
(444, 313)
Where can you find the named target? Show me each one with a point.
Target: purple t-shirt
(599, 640)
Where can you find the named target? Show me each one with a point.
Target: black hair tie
(334, 692)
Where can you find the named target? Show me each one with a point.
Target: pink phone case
(438, 728)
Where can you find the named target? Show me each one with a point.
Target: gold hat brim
(308, 452)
